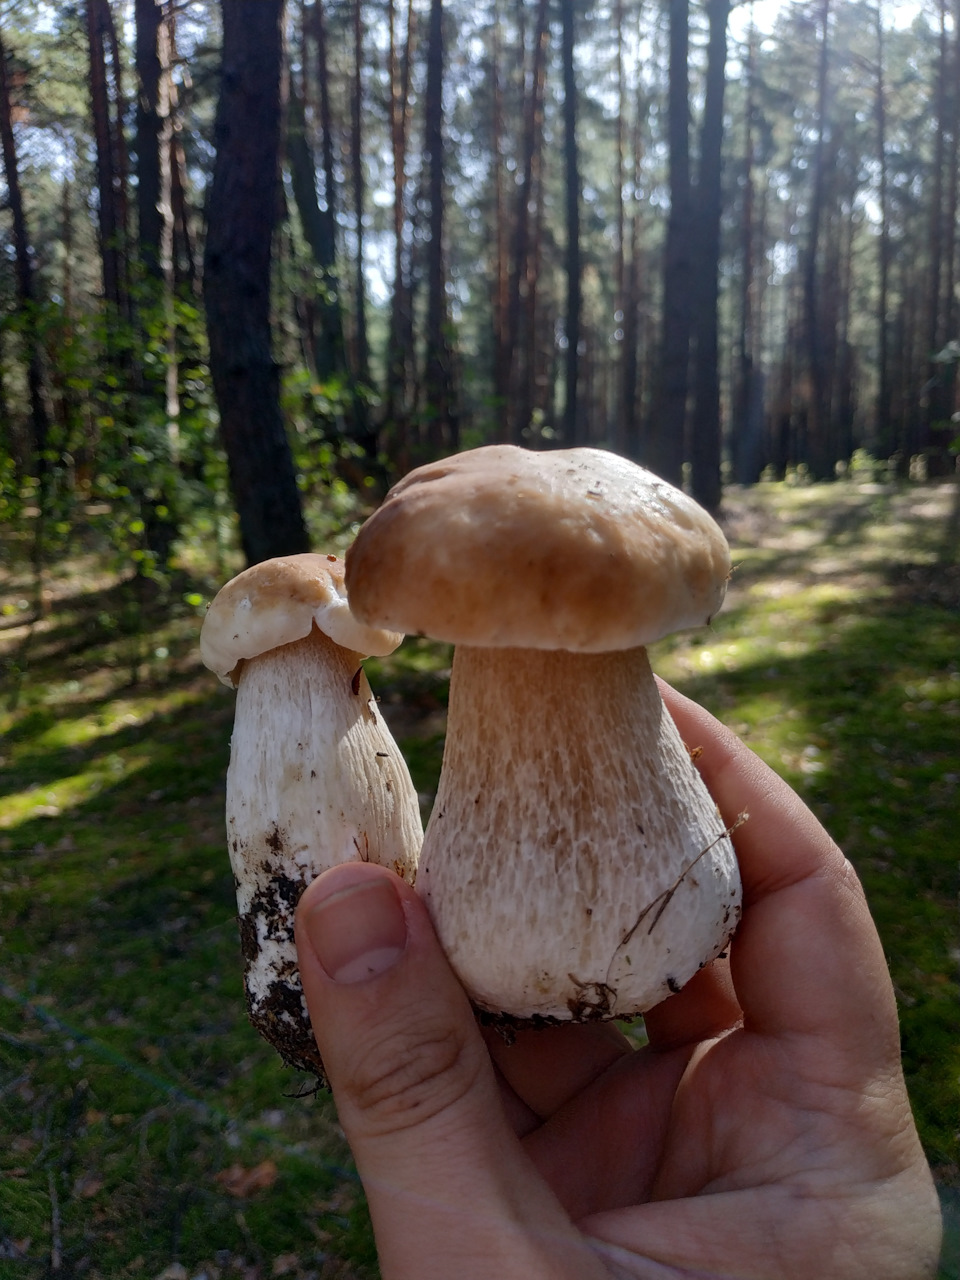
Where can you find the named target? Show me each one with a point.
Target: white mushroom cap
(575, 549)
(278, 601)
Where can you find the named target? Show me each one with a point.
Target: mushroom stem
(574, 865)
(315, 779)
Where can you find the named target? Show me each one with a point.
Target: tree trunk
(666, 444)
(25, 293)
(951, 310)
(817, 451)
(442, 427)
(630, 394)
(242, 212)
(572, 434)
(328, 354)
(523, 277)
(362, 352)
(184, 251)
(154, 122)
(154, 215)
(617, 432)
(934, 329)
(745, 442)
(396, 397)
(705, 441)
(111, 208)
(501, 272)
(883, 441)
(333, 356)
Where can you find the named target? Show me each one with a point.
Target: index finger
(806, 957)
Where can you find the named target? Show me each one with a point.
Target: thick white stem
(575, 865)
(315, 779)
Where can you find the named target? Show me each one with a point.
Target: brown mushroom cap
(576, 549)
(279, 601)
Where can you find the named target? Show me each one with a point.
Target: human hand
(763, 1134)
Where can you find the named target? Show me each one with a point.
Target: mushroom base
(575, 866)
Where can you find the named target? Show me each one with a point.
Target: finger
(806, 957)
(521, 1119)
(449, 1188)
(547, 1066)
(616, 1127)
(705, 1007)
(781, 842)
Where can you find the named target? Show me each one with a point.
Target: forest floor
(145, 1130)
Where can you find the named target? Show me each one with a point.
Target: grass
(145, 1130)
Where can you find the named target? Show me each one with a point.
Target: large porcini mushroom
(574, 864)
(315, 777)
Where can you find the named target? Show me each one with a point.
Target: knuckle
(411, 1076)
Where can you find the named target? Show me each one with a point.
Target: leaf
(241, 1182)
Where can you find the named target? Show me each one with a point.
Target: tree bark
(501, 271)
(745, 443)
(705, 451)
(242, 212)
(934, 329)
(817, 451)
(112, 199)
(439, 409)
(665, 450)
(396, 396)
(25, 291)
(154, 215)
(882, 437)
(630, 394)
(362, 351)
(328, 353)
(572, 434)
(523, 274)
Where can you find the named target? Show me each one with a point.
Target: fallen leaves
(241, 1182)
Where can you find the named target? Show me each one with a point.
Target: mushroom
(574, 864)
(315, 777)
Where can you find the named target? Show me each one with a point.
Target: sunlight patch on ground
(52, 799)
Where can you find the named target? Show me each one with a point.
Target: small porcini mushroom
(574, 865)
(315, 777)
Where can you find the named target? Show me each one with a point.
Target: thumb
(449, 1188)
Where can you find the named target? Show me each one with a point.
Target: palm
(770, 1095)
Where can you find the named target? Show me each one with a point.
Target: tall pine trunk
(241, 217)
(26, 298)
(439, 407)
(332, 357)
(665, 450)
(396, 395)
(521, 302)
(705, 441)
(882, 434)
(746, 442)
(362, 350)
(572, 433)
(328, 354)
(101, 36)
(817, 444)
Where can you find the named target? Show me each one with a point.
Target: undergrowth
(145, 1130)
